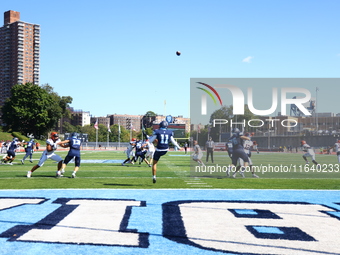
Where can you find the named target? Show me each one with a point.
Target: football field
(115, 209)
(176, 170)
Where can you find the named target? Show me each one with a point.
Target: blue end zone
(169, 222)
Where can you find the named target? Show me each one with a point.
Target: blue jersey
(237, 142)
(230, 147)
(139, 146)
(30, 145)
(75, 145)
(163, 136)
(13, 146)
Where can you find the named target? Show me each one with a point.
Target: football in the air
(178, 53)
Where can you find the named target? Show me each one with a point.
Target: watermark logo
(204, 98)
(239, 99)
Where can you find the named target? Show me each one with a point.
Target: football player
(129, 152)
(29, 150)
(150, 150)
(198, 154)
(230, 149)
(11, 150)
(74, 143)
(238, 150)
(337, 149)
(247, 144)
(140, 152)
(309, 152)
(51, 147)
(163, 136)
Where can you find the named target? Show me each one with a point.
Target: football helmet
(54, 135)
(15, 139)
(303, 142)
(163, 124)
(236, 130)
(74, 134)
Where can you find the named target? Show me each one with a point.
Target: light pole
(316, 109)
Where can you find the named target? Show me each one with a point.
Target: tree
(124, 134)
(33, 109)
(226, 112)
(69, 128)
(148, 119)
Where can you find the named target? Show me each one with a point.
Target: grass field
(174, 172)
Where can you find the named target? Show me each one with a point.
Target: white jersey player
(198, 154)
(336, 146)
(247, 145)
(129, 152)
(150, 150)
(51, 146)
(309, 152)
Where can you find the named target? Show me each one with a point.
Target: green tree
(148, 119)
(33, 109)
(226, 112)
(69, 128)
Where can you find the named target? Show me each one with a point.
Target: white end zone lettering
(253, 227)
(10, 202)
(84, 221)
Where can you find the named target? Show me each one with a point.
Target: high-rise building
(19, 53)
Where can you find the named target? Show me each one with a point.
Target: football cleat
(29, 174)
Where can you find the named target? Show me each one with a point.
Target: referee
(210, 146)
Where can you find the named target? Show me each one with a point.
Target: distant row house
(134, 122)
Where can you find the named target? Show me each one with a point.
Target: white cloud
(247, 59)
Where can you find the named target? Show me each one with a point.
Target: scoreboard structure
(177, 128)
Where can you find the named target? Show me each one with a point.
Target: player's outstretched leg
(154, 170)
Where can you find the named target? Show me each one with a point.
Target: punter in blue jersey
(29, 150)
(238, 151)
(163, 136)
(74, 153)
(11, 149)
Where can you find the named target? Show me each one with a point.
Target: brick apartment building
(19, 53)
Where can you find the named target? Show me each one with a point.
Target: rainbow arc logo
(204, 100)
(209, 93)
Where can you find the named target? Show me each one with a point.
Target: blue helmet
(163, 124)
(236, 130)
(74, 134)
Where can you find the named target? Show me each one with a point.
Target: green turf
(173, 172)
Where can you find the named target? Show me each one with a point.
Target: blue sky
(119, 56)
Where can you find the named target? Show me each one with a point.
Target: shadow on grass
(122, 184)
(39, 176)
